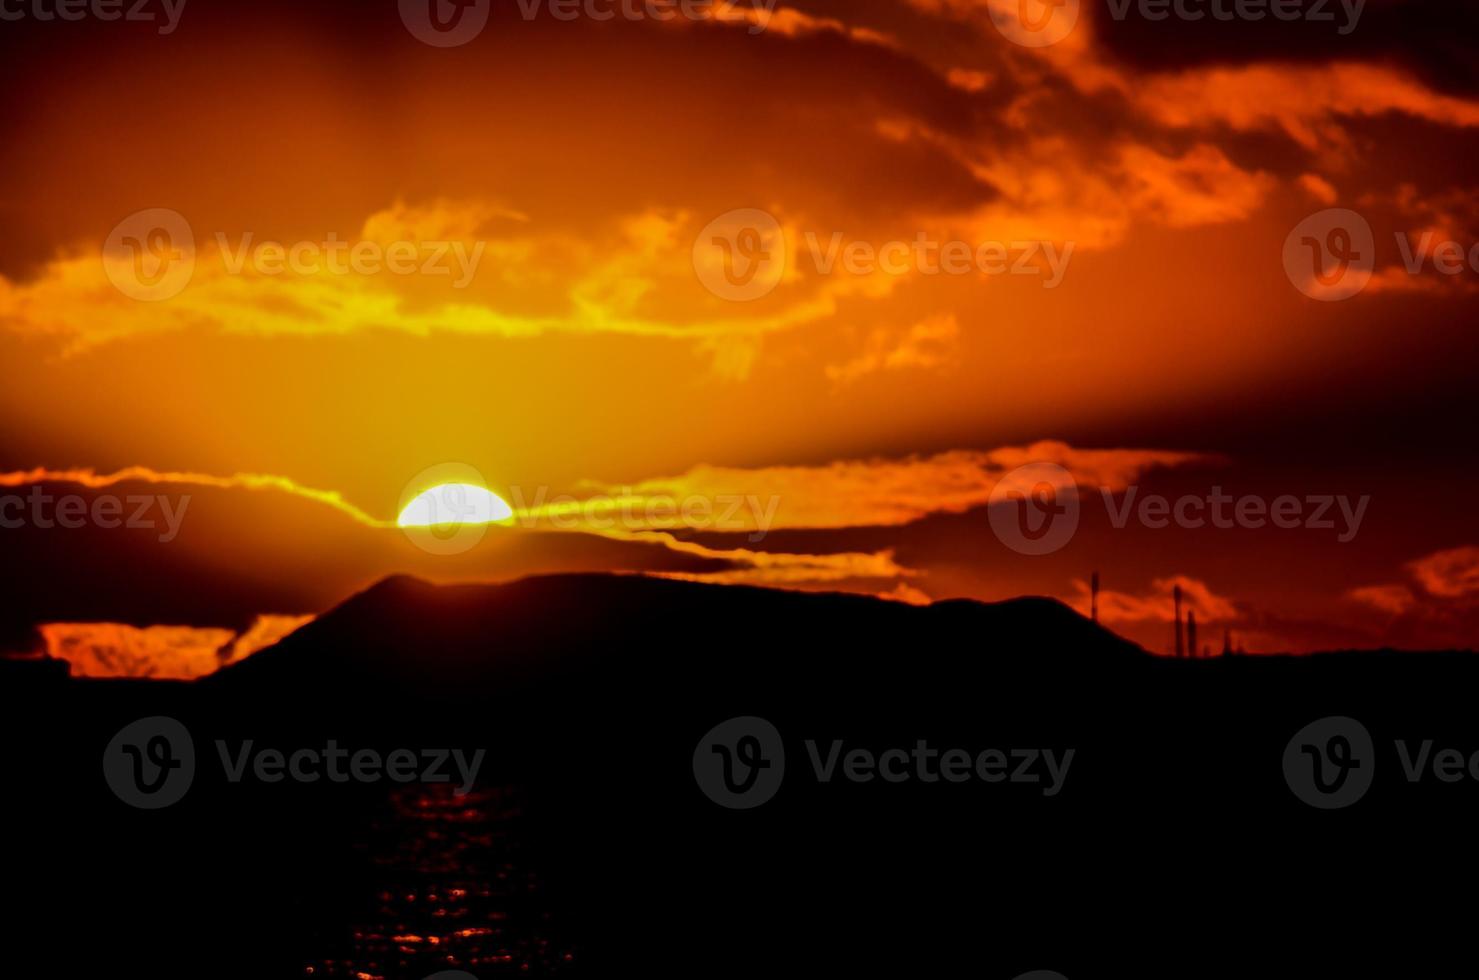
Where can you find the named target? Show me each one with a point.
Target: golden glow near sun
(454, 504)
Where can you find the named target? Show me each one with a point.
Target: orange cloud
(467, 267)
(1201, 187)
(855, 493)
(1157, 605)
(1451, 574)
(1392, 599)
(159, 652)
(783, 569)
(927, 344)
(903, 592)
(1303, 102)
(143, 474)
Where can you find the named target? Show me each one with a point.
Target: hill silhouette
(592, 697)
(405, 638)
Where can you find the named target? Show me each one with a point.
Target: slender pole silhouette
(1180, 640)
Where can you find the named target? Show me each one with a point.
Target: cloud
(782, 569)
(844, 494)
(159, 652)
(467, 267)
(1441, 607)
(788, 22)
(1319, 188)
(1158, 604)
(861, 493)
(1201, 187)
(1393, 599)
(1257, 98)
(927, 344)
(143, 474)
(903, 592)
(1451, 574)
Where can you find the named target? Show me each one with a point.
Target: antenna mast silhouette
(1180, 640)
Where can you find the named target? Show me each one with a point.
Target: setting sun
(454, 504)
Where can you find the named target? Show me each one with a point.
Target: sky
(822, 295)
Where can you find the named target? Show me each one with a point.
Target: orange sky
(585, 353)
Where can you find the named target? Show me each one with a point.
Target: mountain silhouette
(592, 697)
(405, 638)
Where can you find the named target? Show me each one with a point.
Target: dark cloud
(1435, 39)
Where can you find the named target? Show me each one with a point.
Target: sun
(454, 504)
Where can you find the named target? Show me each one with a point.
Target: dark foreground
(1168, 844)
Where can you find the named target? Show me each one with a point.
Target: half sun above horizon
(450, 504)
